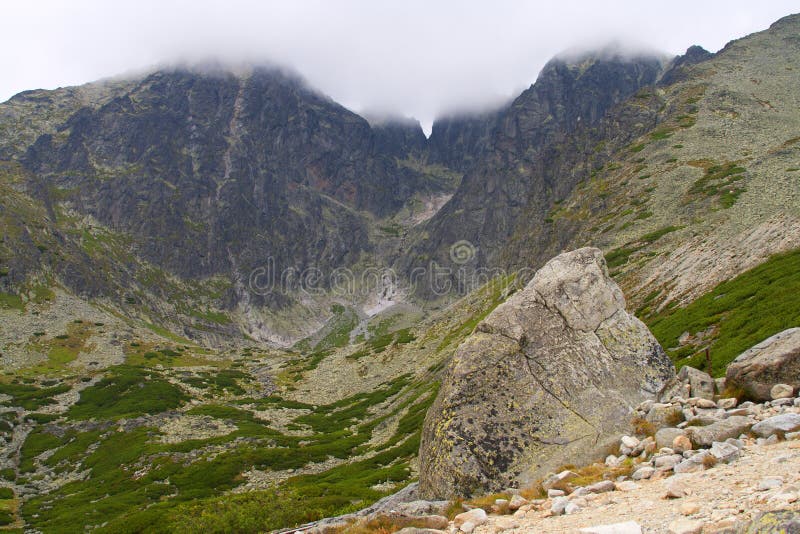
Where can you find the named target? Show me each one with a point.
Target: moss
(11, 302)
(31, 397)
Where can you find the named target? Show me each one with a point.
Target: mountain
(156, 379)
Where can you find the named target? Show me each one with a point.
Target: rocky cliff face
(211, 171)
(530, 161)
(550, 377)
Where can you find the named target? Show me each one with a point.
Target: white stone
(477, 516)
(769, 483)
(628, 527)
(643, 473)
(630, 442)
(781, 391)
(685, 526)
(626, 485)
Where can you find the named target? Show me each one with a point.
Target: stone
(781, 391)
(601, 487)
(569, 366)
(415, 530)
(476, 516)
(701, 384)
(661, 415)
(719, 384)
(665, 437)
(517, 502)
(629, 441)
(792, 435)
(705, 404)
(667, 462)
(739, 444)
(559, 481)
(643, 473)
(626, 485)
(553, 493)
(777, 425)
(768, 483)
(558, 505)
(681, 444)
(467, 527)
(505, 523)
(724, 452)
(628, 527)
(677, 488)
(685, 526)
(772, 440)
(728, 403)
(695, 463)
(703, 437)
(689, 508)
(571, 508)
(776, 360)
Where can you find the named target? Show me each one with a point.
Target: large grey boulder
(776, 360)
(549, 378)
(732, 427)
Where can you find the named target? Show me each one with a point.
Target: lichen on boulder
(549, 378)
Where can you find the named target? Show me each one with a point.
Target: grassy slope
(736, 314)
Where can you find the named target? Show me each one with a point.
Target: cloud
(413, 58)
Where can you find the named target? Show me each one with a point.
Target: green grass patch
(10, 301)
(31, 397)
(127, 392)
(742, 312)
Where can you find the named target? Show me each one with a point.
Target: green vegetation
(736, 314)
(720, 181)
(31, 397)
(11, 302)
(127, 392)
(378, 344)
(219, 382)
(620, 256)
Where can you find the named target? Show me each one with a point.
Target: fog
(411, 58)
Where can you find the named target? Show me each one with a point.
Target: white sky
(406, 57)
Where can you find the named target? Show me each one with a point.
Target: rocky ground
(765, 478)
(723, 468)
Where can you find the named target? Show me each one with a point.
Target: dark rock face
(536, 155)
(676, 71)
(550, 377)
(213, 172)
(459, 141)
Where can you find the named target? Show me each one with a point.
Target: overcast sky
(407, 57)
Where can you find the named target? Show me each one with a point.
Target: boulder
(661, 415)
(549, 378)
(476, 516)
(732, 427)
(776, 360)
(665, 437)
(777, 425)
(701, 384)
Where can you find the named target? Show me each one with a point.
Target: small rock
(772, 440)
(643, 473)
(628, 527)
(739, 444)
(517, 502)
(677, 488)
(630, 442)
(553, 493)
(769, 483)
(724, 452)
(685, 526)
(612, 461)
(505, 523)
(695, 463)
(571, 508)
(601, 487)
(626, 485)
(666, 436)
(665, 463)
(689, 508)
(681, 444)
(727, 404)
(706, 404)
(476, 516)
(792, 435)
(558, 506)
(467, 527)
(781, 391)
